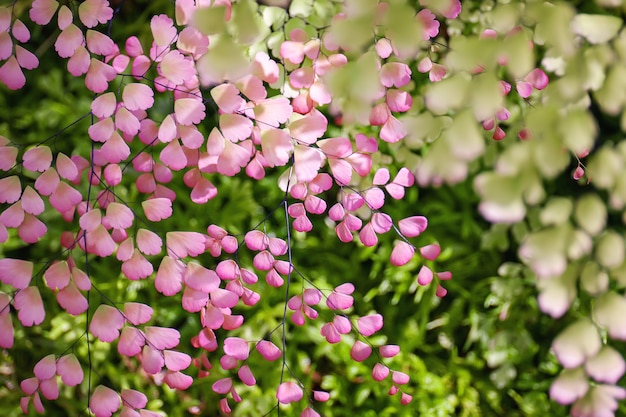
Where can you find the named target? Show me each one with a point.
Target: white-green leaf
(596, 28)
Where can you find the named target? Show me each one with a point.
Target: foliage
(211, 210)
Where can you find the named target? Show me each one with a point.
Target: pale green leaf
(300, 8)
(274, 16)
(247, 23)
(225, 60)
(596, 28)
(210, 20)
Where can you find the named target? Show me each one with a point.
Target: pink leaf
(163, 30)
(381, 222)
(30, 306)
(98, 43)
(200, 278)
(31, 229)
(177, 380)
(272, 112)
(168, 130)
(173, 156)
(224, 298)
(42, 11)
(292, 51)
(256, 240)
(342, 324)
(106, 323)
(49, 388)
(100, 242)
(11, 74)
(8, 157)
(37, 159)
(307, 162)
(25, 58)
(176, 361)
(268, 350)
(389, 351)
(237, 348)
(16, 272)
(137, 313)
(413, 226)
(29, 386)
(380, 372)
(136, 96)
(227, 98)
(367, 235)
(131, 341)
(92, 12)
(189, 111)
(69, 369)
(6, 327)
(104, 105)
(72, 300)
(579, 172)
(162, 337)
(537, 78)
(375, 198)
(381, 177)
(524, 89)
(11, 189)
(402, 253)
(276, 145)
(222, 386)
(65, 197)
(102, 130)
(46, 368)
(148, 242)
(235, 127)
(425, 275)
(399, 378)
(66, 167)
(183, 244)
(13, 216)
(176, 68)
(404, 178)
(134, 399)
(119, 216)
(246, 376)
(193, 300)
(309, 128)
(398, 100)
(169, 277)
(393, 130)
(569, 386)
(360, 351)
(137, 266)
(152, 361)
(99, 75)
(369, 325)
(338, 301)
(430, 252)
(289, 392)
(79, 63)
(395, 74)
(227, 269)
(607, 366)
(157, 209)
(104, 401)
